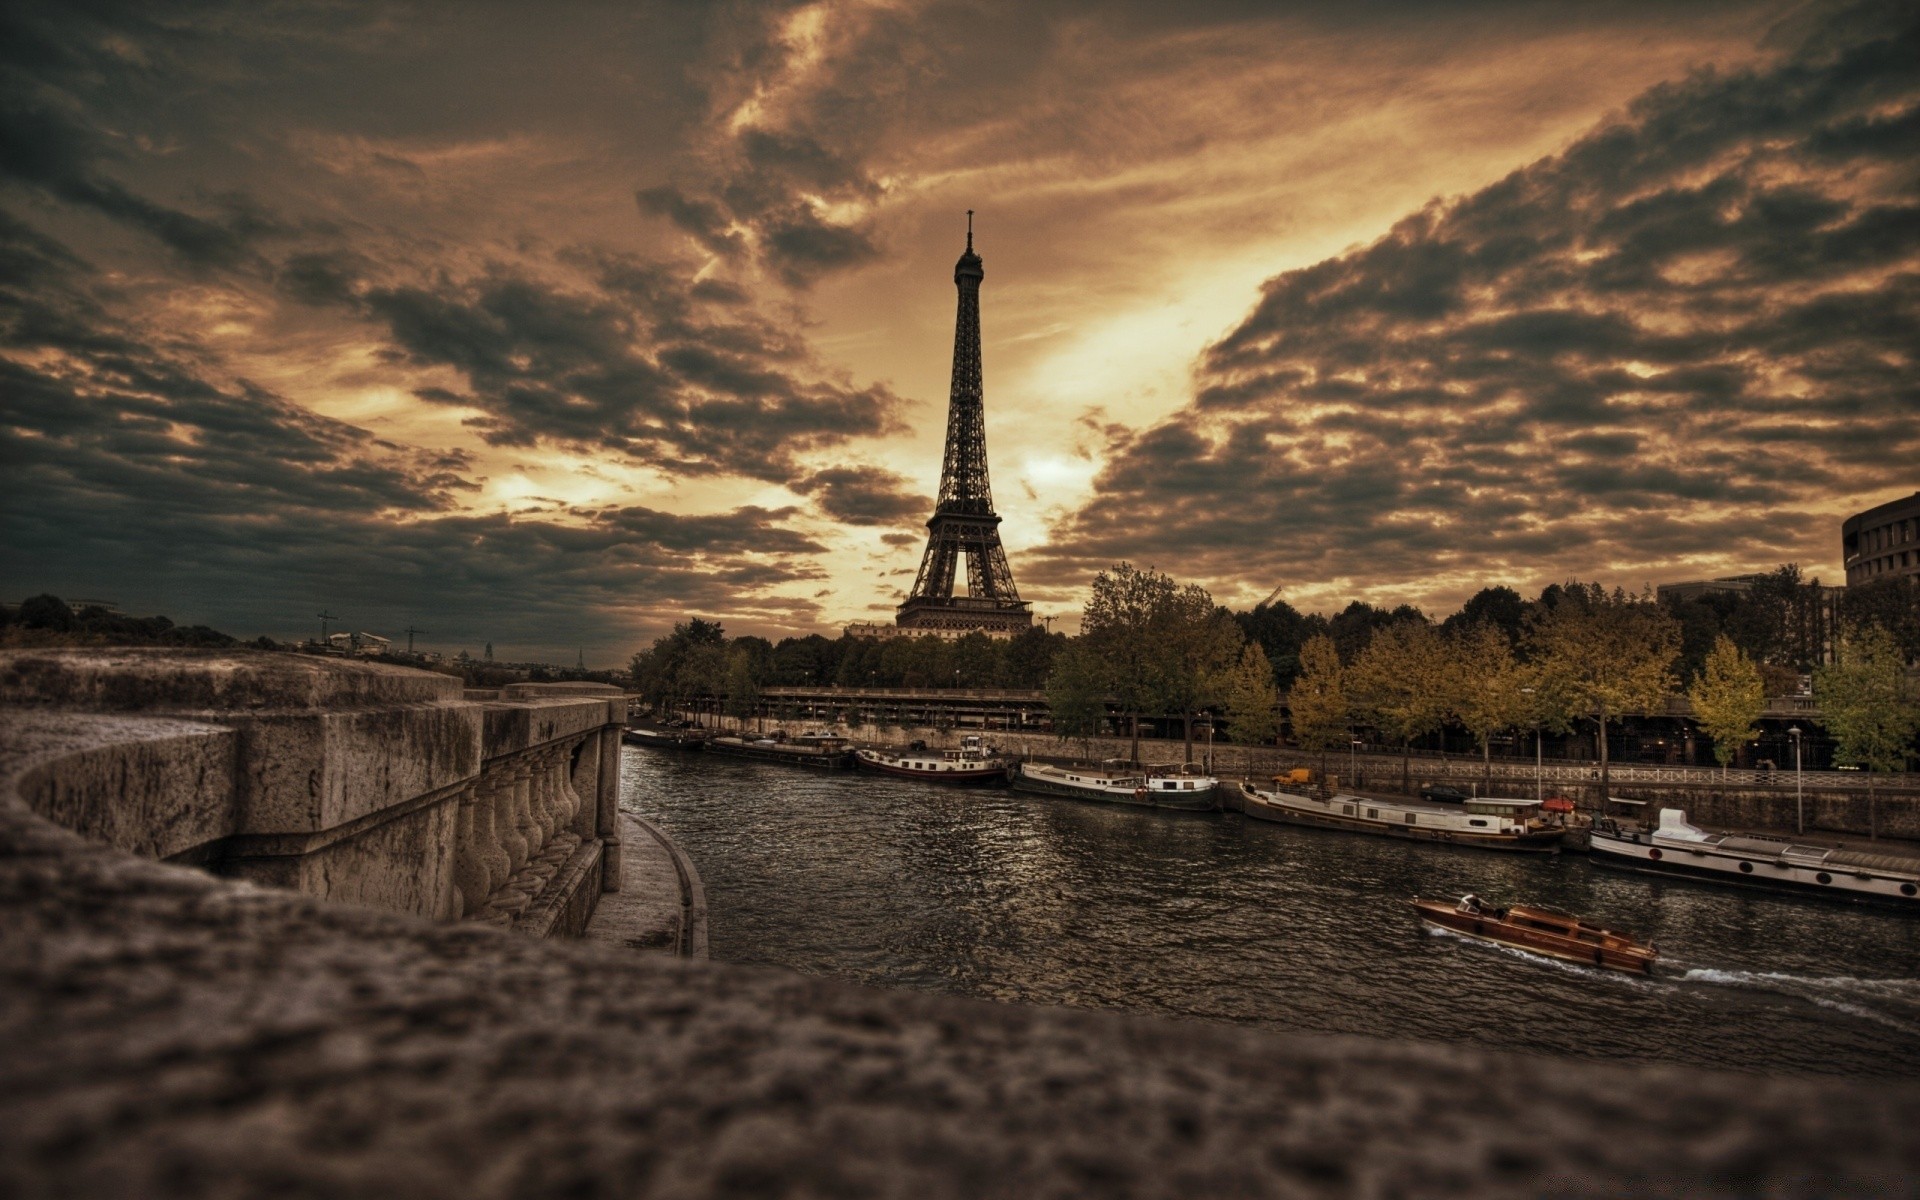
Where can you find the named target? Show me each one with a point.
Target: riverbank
(1836, 803)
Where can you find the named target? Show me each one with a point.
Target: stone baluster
(544, 796)
(469, 862)
(506, 818)
(568, 807)
(487, 833)
(525, 830)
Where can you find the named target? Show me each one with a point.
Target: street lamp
(1353, 763)
(1208, 726)
(1539, 789)
(1799, 796)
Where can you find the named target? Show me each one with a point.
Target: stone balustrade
(350, 781)
(173, 1032)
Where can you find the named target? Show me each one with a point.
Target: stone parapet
(352, 781)
(168, 1033)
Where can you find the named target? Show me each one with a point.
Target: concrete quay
(198, 1027)
(1834, 802)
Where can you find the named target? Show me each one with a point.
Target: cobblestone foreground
(167, 1033)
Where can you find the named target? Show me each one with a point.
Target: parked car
(1443, 793)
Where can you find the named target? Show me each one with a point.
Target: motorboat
(1540, 930)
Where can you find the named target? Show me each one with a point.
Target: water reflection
(984, 893)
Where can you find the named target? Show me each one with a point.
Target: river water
(897, 883)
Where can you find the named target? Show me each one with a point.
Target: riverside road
(986, 893)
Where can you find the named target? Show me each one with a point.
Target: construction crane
(1272, 596)
(325, 616)
(410, 631)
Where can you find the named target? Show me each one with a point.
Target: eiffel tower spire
(964, 524)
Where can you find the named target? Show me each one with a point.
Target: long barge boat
(1678, 849)
(1119, 784)
(1540, 930)
(665, 739)
(973, 762)
(822, 752)
(1485, 823)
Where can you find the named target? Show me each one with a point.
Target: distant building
(1882, 542)
(358, 643)
(1674, 593)
(873, 629)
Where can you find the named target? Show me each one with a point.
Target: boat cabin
(1513, 810)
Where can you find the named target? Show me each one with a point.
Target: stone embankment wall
(169, 1032)
(174, 1030)
(1834, 801)
(349, 781)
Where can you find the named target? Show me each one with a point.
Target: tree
(1252, 700)
(1488, 686)
(1891, 602)
(1317, 704)
(1029, 657)
(743, 688)
(1077, 692)
(1399, 685)
(1280, 630)
(1600, 656)
(1728, 698)
(1500, 607)
(45, 611)
(1867, 702)
(1162, 643)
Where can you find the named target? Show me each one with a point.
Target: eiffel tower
(963, 522)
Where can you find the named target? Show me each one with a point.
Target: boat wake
(1867, 999)
(1542, 960)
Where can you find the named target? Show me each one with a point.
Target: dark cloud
(638, 364)
(134, 475)
(865, 496)
(1665, 342)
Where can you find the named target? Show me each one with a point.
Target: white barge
(1485, 822)
(1116, 783)
(1677, 848)
(973, 762)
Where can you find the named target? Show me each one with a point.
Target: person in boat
(1469, 904)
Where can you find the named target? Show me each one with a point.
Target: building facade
(1882, 542)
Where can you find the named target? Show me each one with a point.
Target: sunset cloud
(547, 326)
(1663, 345)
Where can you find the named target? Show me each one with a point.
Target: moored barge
(1487, 823)
(1115, 783)
(973, 762)
(821, 751)
(1681, 850)
(1540, 930)
(665, 739)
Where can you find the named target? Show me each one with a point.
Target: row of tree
(699, 659)
(1578, 655)
(1785, 623)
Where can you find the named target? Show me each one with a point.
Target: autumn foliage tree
(1488, 688)
(1252, 701)
(1728, 698)
(1164, 645)
(1600, 655)
(1867, 701)
(1322, 714)
(1399, 684)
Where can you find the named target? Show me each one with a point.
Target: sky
(549, 326)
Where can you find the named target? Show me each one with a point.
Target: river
(897, 883)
